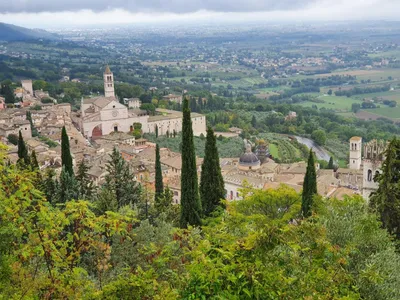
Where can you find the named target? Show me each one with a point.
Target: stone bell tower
(108, 83)
(355, 153)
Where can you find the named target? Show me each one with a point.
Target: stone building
(27, 86)
(372, 163)
(365, 161)
(104, 115)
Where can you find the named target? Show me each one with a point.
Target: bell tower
(355, 153)
(108, 83)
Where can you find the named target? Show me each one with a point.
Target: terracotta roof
(355, 138)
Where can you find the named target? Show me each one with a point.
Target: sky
(76, 13)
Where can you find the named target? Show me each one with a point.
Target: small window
(113, 106)
(369, 178)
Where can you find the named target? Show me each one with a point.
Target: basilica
(105, 114)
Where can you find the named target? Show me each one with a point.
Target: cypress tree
(386, 200)
(211, 182)
(22, 150)
(309, 187)
(190, 200)
(50, 186)
(68, 188)
(121, 181)
(159, 178)
(86, 187)
(66, 158)
(330, 164)
(34, 161)
(156, 131)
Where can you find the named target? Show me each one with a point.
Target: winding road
(320, 152)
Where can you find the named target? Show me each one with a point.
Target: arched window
(369, 178)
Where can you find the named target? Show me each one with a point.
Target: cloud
(59, 15)
(146, 6)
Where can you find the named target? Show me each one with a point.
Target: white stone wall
(114, 111)
(124, 125)
(370, 169)
(232, 191)
(164, 126)
(27, 86)
(198, 125)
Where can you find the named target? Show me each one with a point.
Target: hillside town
(103, 123)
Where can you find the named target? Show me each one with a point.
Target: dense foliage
(257, 249)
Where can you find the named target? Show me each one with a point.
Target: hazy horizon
(46, 14)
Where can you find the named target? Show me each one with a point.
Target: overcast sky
(56, 13)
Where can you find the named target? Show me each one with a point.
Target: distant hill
(10, 32)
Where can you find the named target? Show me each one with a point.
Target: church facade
(104, 115)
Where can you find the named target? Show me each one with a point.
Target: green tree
(355, 107)
(156, 129)
(137, 130)
(22, 150)
(66, 158)
(50, 186)
(254, 121)
(309, 187)
(13, 139)
(33, 128)
(68, 188)
(330, 164)
(190, 200)
(319, 137)
(86, 187)
(211, 180)
(121, 181)
(8, 93)
(34, 161)
(159, 177)
(386, 200)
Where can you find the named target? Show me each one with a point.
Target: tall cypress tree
(211, 181)
(159, 178)
(309, 187)
(386, 200)
(33, 128)
(66, 158)
(34, 161)
(22, 150)
(190, 200)
(330, 164)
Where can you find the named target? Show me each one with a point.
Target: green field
(389, 95)
(340, 104)
(389, 112)
(273, 150)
